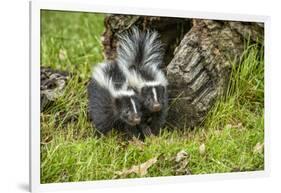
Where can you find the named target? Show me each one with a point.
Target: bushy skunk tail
(140, 55)
(140, 49)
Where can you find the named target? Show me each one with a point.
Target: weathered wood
(52, 83)
(200, 69)
(198, 58)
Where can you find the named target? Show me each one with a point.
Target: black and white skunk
(111, 103)
(140, 55)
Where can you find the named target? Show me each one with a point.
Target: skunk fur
(111, 103)
(140, 55)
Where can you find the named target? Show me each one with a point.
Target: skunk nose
(156, 107)
(136, 119)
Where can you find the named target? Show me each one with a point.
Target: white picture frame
(36, 6)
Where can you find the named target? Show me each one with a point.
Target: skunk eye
(127, 111)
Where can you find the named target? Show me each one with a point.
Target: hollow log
(198, 59)
(171, 30)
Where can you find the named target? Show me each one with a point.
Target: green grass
(70, 152)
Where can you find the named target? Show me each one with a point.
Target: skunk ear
(144, 90)
(162, 88)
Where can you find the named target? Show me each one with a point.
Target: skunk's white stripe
(103, 80)
(151, 83)
(118, 93)
(154, 94)
(134, 105)
(128, 43)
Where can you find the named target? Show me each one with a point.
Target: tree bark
(198, 58)
(200, 70)
(52, 83)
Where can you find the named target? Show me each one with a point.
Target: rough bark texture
(172, 31)
(200, 69)
(198, 58)
(52, 84)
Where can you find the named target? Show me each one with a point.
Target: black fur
(107, 111)
(153, 119)
(142, 52)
